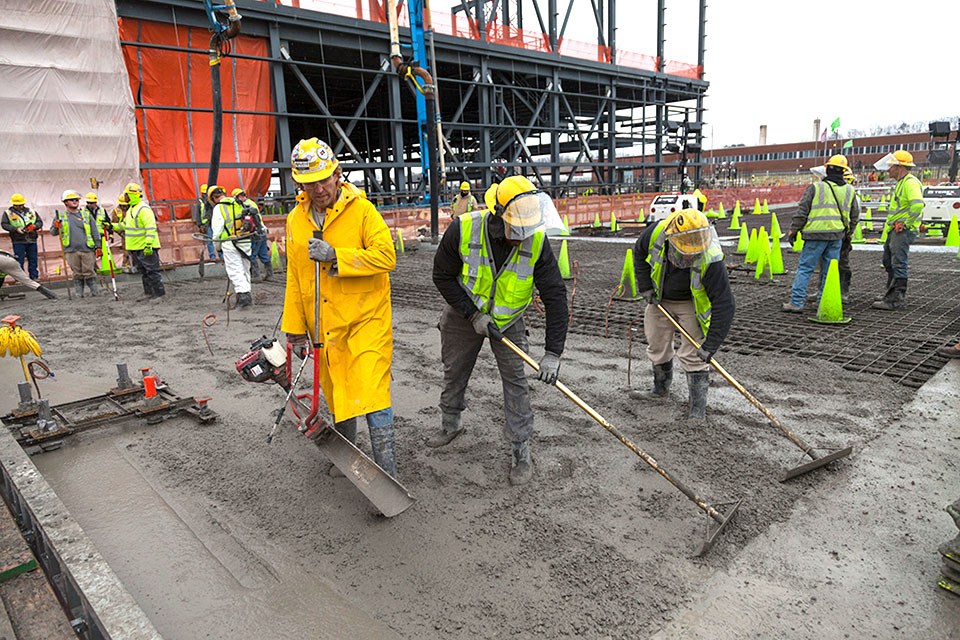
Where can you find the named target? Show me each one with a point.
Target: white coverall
(238, 267)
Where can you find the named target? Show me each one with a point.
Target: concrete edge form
(99, 606)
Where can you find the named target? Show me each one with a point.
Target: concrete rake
(720, 520)
(816, 461)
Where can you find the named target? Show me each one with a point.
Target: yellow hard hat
(17, 199)
(503, 192)
(904, 158)
(91, 197)
(838, 161)
(523, 208)
(688, 231)
(700, 197)
(237, 192)
(69, 194)
(134, 193)
(203, 188)
(214, 190)
(313, 160)
(464, 186)
(848, 176)
(123, 200)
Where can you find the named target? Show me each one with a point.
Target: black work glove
(298, 344)
(481, 323)
(705, 355)
(549, 367)
(649, 295)
(792, 237)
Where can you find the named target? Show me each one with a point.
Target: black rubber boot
(522, 468)
(662, 377)
(895, 296)
(451, 428)
(78, 286)
(267, 270)
(348, 429)
(697, 384)
(845, 286)
(384, 448)
(93, 286)
(254, 269)
(244, 300)
(50, 294)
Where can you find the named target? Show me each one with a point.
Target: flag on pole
(835, 125)
(848, 144)
(823, 136)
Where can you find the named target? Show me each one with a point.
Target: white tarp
(66, 111)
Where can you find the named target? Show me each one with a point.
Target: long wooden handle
(739, 387)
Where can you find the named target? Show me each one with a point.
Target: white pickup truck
(665, 204)
(940, 204)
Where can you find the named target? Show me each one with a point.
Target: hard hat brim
(316, 176)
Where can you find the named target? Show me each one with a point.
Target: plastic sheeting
(180, 79)
(66, 113)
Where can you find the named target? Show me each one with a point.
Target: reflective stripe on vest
(137, 237)
(65, 228)
(232, 217)
(656, 257)
(829, 210)
(507, 294)
(903, 209)
(21, 220)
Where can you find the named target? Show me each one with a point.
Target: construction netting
(181, 129)
(67, 110)
(453, 24)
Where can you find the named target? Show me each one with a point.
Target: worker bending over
(486, 268)
(679, 266)
(228, 223)
(10, 266)
(140, 239)
(355, 334)
(904, 215)
(80, 237)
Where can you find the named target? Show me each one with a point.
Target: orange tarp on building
(180, 79)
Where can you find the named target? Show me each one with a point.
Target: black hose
(431, 105)
(217, 111)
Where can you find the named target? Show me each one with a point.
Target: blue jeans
(896, 252)
(210, 251)
(28, 251)
(814, 252)
(380, 424)
(260, 249)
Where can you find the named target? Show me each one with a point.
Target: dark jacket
(676, 286)
(201, 213)
(447, 265)
(803, 211)
(27, 237)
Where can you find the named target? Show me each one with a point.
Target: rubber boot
(662, 377)
(451, 428)
(384, 448)
(267, 271)
(883, 296)
(895, 296)
(697, 384)
(78, 286)
(50, 294)
(845, 286)
(254, 269)
(244, 300)
(93, 286)
(522, 468)
(348, 429)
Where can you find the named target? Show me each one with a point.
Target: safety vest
(830, 209)
(504, 295)
(232, 218)
(139, 228)
(21, 220)
(656, 257)
(65, 228)
(471, 202)
(906, 203)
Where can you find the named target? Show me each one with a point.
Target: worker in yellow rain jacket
(355, 332)
(141, 240)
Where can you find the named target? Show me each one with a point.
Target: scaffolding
(511, 100)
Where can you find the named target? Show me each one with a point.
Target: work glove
(649, 296)
(481, 323)
(298, 344)
(56, 223)
(705, 355)
(549, 367)
(30, 227)
(321, 251)
(792, 237)
(98, 252)
(148, 251)
(898, 227)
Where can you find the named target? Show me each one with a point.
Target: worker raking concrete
(141, 241)
(9, 266)
(486, 268)
(355, 333)
(905, 213)
(679, 266)
(231, 230)
(80, 237)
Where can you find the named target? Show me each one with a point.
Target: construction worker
(823, 216)
(846, 246)
(355, 334)
(463, 202)
(102, 220)
(80, 238)
(123, 205)
(486, 268)
(9, 266)
(140, 239)
(679, 266)
(260, 248)
(905, 213)
(201, 213)
(227, 225)
(23, 225)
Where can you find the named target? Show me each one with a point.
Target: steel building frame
(557, 119)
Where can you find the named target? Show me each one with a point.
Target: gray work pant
(459, 346)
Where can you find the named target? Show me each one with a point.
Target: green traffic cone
(722, 213)
(934, 232)
(400, 248)
(711, 214)
(883, 236)
(628, 277)
(596, 219)
(776, 259)
(953, 233)
(735, 220)
(752, 246)
(564, 261)
(775, 233)
(763, 253)
(830, 310)
(275, 256)
(765, 209)
(642, 215)
(868, 220)
(566, 227)
(744, 242)
(798, 243)
(857, 235)
(756, 207)
(613, 222)
(736, 209)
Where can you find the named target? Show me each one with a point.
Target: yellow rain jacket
(355, 313)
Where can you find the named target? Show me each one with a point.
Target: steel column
(280, 105)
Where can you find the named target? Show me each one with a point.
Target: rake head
(816, 463)
(715, 528)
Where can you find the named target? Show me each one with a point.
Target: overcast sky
(784, 63)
